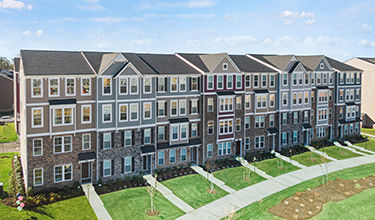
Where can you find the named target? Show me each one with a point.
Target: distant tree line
(5, 64)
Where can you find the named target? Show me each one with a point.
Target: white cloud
(91, 5)
(104, 45)
(322, 41)
(29, 7)
(285, 41)
(115, 19)
(306, 15)
(189, 4)
(39, 33)
(290, 16)
(26, 33)
(365, 28)
(142, 42)
(12, 4)
(267, 42)
(366, 43)
(236, 40)
(287, 22)
(311, 21)
(193, 42)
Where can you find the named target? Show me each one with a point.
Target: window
(272, 100)
(295, 79)
(210, 82)
(107, 139)
(182, 84)
(330, 78)
(161, 158)
(322, 114)
(312, 79)
(247, 101)
(261, 101)
(147, 110)
(229, 82)
(330, 113)
(247, 143)
(123, 112)
(306, 78)
(161, 108)
(225, 66)
(210, 127)
(85, 84)
(312, 115)
(341, 75)
(37, 147)
(174, 108)
(107, 168)
(37, 117)
(294, 98)
(321, 132)
(209, 150)
(107, 113)
(63, 116)
(358, 94)
(247, 122)
(247, 81)
(321, 66)
(86, 114)
(194, 130)
(300, 98)
(256, 81)
(264, 80)
(86, 141)
(194, 83)
(295, 137)
(147, 85)
(345, 129)
(147, 136)
(128, 138)
(161, 85)
(173, 84)
(226, 126)
(306, 97)
(357, 127)
(285, 98)
(54, 87)
(238, 81)
(172, 156)
(306, 116)
(62, 144)
(285, 79)
(351, 128)
(107, 90)
(259, 121)
(238, 103)
(318, 78)
(194, 106)
(161, 133)
(127, 164)
(63, 173)
(238, 124)
(38, 176)
(183, 154)
(295, 117)
(182, 104)
(323, 96)
(183, 131)
(220, 82)
(133, 85)
(123, 86)
(36, 88)
(133, 111)
(300, 79)
(341, 112)
(174, 132)
(70, 87)
(259, 142)
(285, 118)
(224, 148)
(312, 96)
(271, 120)
(284, 138)
(210, 104)
(272, 80)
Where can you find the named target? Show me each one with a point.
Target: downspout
(203, 119)
(97, 127)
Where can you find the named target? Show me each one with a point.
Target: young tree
(209, 167)
(152, 190)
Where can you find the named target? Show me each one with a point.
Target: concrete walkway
(211, 177)
(287, 159)
(245, 163)
(167, 193)
(95, 202)
(10, 147)
(359, 148)
(320, 153)
(348, 148)
(370, 135)
(223, 207)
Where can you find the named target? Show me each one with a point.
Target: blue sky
(338, 28)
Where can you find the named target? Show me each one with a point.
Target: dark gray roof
(340, 65)
(260, 91)
(38, 62)
(195, 60)
(62, 101)
(94, 58)
(148, 149)
(310, 62)
(17, 64)
(368, 59)
(322, 87)
(245, 64)
(178, 120)
(139, 64)
(225, 93)
(278, 61)
(86, 156)
(291, 66)
(272, 130)
(161, 146)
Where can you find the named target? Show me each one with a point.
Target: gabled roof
(278, 61)
(340, 66)
(245, 64)
(212, 60)
(369, 60)
(311, 62)
(39, 62)
(94, 58)
(139, 64)
(195, 59)
(107, 59)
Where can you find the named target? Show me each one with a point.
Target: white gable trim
(118, 58)
(129, 65)
(88, 63)
(266, 64)
(190, 64)
(230, 60)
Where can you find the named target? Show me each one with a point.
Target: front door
(85, 172)
(147, 162)
(193, 154)
(238, 148)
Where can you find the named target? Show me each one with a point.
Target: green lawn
(369, 145)
(309, 159)
(234, 177)
(133, 204)
(193, 190)
(270, 167)
(8, 133)
(74, 209)
(368, 131)
(259, 210)
(5, 167)
(338, 153)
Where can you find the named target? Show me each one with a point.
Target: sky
(341, 29)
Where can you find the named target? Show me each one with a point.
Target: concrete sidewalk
(211, 177)
(320, 153)
(359, 148)
(287, 159)
(95, 202)
(348, 148)
(168, 194)
(370, 135)
(223, 207)
(245, 163)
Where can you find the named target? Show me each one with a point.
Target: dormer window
(322, 66)
(225, 66)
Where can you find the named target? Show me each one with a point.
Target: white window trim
(228, 81)
(213, 81)
(110, 168)
(42, 176)
(63, 116)
(222, 82)
(63, 144)
(160, 116)
(82, 107)
(103, 106)
(41, 88)
(274, 100)
(249, 101)
(179, 83)
(255, 141)
(187, 131)
(131, 161)
(163, 153)
(282, 79)
(212, 150)
(130, 85)
(191, 107)
(110, 141)
(144, 112)
(209, 104)
(49, 87)
(131, 138)
(160, 79)
(170, 84)
(63, 173)
(130, 110)
(110, 87)
(86, 94)
(261, 101)
(282, 99)
(249, 81)
(66, 86)
(259, 81)
(119, 112)
(223, 66)
(127, 86)
(170, 108)
(32, 118)
(41, 147)
(262, 81)
(274, 80)
(184, 148)
(144, 136)
(144, 85)
(89, 141)
(179, 106)
(170, 152)
(240, 76)
(178, 132)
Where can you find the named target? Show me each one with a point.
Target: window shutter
(123, 139)
(142, 136)
(198, 126)
(198, 83)
(190, 125)
(157, 84)
(133, 165)
(165, 84)
(189, 83)
(122, 165)
(113, 140)
(190, 106)
(165, 108)
(102, 140)
(152, 135)
(113, 167)
(198, 106)
(101, 168)
(133, 135)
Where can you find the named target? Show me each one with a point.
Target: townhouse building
(86, 116)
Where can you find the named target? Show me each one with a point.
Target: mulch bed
(173, 172)
(119, 185)
(305, 205)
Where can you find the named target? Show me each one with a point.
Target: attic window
(225, 66)
(322, 66)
